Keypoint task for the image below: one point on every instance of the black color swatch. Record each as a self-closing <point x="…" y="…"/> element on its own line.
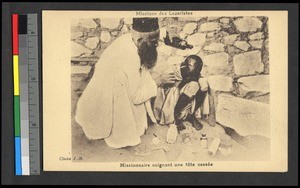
<point x="22" y="24"/>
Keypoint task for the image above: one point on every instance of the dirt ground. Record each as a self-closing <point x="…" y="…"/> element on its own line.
<point x="186" y="148"/>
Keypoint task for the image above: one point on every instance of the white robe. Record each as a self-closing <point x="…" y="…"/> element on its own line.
<point x="115" y="103"/>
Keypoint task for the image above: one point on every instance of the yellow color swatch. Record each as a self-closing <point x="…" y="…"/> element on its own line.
<point x="16" y="74"/>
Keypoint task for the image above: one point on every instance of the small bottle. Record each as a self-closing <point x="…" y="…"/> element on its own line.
<point x="212" y="150"/>
<point x="203" y="141"/>
<point x="172" y="134"/>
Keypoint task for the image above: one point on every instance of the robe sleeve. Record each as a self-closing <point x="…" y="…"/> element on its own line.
<point x="142" y="86"/>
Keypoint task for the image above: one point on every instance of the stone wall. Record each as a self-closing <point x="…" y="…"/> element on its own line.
<point x="234" y="51"/>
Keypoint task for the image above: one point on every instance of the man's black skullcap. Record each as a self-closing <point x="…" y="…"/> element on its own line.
<point x="145" y="24"/>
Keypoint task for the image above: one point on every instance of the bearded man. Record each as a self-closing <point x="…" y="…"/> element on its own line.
<point x="116" y="101"/>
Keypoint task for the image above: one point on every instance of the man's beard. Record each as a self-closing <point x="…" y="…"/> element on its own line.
<point x="148" y="55"/>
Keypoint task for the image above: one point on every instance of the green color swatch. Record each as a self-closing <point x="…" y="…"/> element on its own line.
<point x="17" y="115"/>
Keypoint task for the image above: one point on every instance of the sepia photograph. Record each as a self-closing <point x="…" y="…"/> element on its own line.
<point x="170" y="89"/>
<point x="166" y="89"/>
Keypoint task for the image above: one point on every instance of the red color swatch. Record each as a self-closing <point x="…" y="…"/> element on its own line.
<point x="15" y="35"/>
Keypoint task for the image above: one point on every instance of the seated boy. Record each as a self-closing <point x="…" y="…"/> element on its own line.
<point x="191" y="93"/>
<point x="181" y="100"/>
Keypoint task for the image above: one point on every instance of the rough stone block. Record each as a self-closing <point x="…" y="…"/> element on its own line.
<point x="262" y="98"/>
<point x="213" y="34"/>
<point x="247" y="117"/>
<point x="220" y="83"/>
<point x="253" y="86"/>
<point x="105" y="36"/>
<point x="197" y="39"/>
<point x="210" y="26"/>
<point x="248" y="63"/>
<point x="80" y="69"/>
<point x="110" y="23"/>
<point x="78" y="50"/>
<point x="230" y="39"/>
<point x="243" y="45"/>
<point x="247" y="24"/>
<point x="257" y="36"/>
<point x="225" y="20"/>
<point x="92" y="42"/>
<point x="257" y="44"/>
<point x="215" y="47"/>
<point x="183" y="35"/>
<point x="189" y="28"/>
<point x="232" y="50"/>
<point x="210" y="19"/>
<point x="217" y="62"/>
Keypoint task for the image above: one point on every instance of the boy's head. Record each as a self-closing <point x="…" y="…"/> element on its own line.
<point x="193" y="64"/>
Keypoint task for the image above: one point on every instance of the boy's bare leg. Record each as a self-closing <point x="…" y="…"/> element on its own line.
<point x="179" y="113"/>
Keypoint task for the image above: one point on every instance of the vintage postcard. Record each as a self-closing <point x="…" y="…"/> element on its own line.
<point x="192" y="91"/>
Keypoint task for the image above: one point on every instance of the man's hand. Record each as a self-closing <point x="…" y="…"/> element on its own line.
<point x="165" y="78"/>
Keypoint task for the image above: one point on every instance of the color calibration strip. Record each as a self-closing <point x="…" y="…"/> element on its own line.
<point x="26" y="94"/>
<point x="18" y="162"/>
